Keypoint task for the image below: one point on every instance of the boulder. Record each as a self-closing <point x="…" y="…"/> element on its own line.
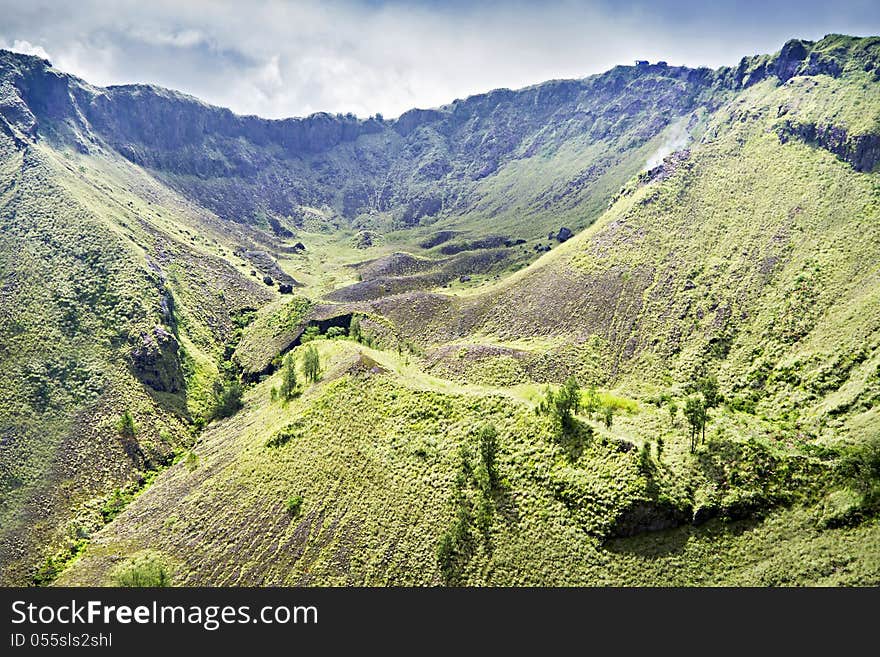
<point x="285" y="289"/>
<point x="155" y="361"/>
<point x="564" y="234"/>
<point x="268" y="280"/>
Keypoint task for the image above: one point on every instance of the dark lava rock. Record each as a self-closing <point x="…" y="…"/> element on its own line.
<point x="464" y="279"/>
<point x="156" y="362"/>
<point x="622" y="445"/>
<point x="268" y="280"/>
<point x="790" y="57"/>
<point x="299" y="246"/>
<point x="285" y="289"/>
<point x="564" y="234"/>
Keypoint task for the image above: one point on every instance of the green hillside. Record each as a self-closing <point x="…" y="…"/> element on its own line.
<point x="718" y="306"/>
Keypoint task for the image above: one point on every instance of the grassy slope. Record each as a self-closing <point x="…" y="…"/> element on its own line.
<point x="754" y="259"/>
<point x="84" y="255"/>
<point x="678" y="274"/>
<point x="374" y="458"/>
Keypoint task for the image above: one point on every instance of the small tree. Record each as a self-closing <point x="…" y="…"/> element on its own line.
<point x="695" y="413"/>
<point x="288" y="377"/>
<point x="592" y="403"/>
<point x="488" y="451"/>
<point x="567" y="402"/>
<point x="608" y="415"/>
<point x="126" y="426"/>
<point x="227" y="398"/>
<point x="645" y="457"/>
<point x="659" y="447"/>
<point x="673" y="412"/>
<point x="708" y="387"/>
<point x="354" y="329"/>
<point x="311" y="364"/>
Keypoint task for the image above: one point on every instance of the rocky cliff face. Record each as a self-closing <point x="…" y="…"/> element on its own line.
<point x="425" y="163"/>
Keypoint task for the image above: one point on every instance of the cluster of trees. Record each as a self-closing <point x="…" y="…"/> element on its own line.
<point x="471" y="510"/>
<point x="697" y="407"/>
<point x="568" y="401"/>
<point x="311" y="369"/>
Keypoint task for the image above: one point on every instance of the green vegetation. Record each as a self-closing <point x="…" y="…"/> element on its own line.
<point x="294" y="505"/>
<point x="488" y="437"/>
<point x="562" y="404"/>
<point x="143" y="570"/>
<point x="227" y="399"/>
<point x="733" y="285"/>
<point x="126" y="426"/>
<point x="354" y="329"/>
<point x="288" y="378"/>
<point x="311" y="364"/>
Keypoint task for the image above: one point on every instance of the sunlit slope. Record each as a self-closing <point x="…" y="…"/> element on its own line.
<point x="751" y="256"/>
<point x="374" y="455"/>
<point x="94" y="274"/>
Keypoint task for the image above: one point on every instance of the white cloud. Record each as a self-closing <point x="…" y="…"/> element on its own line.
<point x="277" y="58"/>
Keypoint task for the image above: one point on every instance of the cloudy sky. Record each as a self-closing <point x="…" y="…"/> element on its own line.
<point x="278" y="58"/>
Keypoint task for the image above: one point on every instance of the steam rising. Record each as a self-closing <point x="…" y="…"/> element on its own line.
<point x="677" y="137"/>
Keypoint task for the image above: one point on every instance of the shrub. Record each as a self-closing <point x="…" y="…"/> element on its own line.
<point x="146" y="569"/>
<point x="114" y="505"/>
<point x="841" y="508"/>
<point x="335" y="332"/>
<point x="311" y="333"/>
<point x="285" y="435"/>
<point x="126" y="426"/>
<point x="227" y="398"/>
<point x="294" y="505"/>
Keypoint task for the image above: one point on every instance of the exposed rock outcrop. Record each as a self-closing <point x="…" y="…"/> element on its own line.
<point x="155" y="361"/>
<point x="860" y="151"/>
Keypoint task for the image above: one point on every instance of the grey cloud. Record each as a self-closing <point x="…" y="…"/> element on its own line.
<point x="276" y="58"/>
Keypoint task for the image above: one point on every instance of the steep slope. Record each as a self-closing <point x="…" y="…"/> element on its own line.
<point x="750" y="256"/>
<point x="101" y="293"/>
